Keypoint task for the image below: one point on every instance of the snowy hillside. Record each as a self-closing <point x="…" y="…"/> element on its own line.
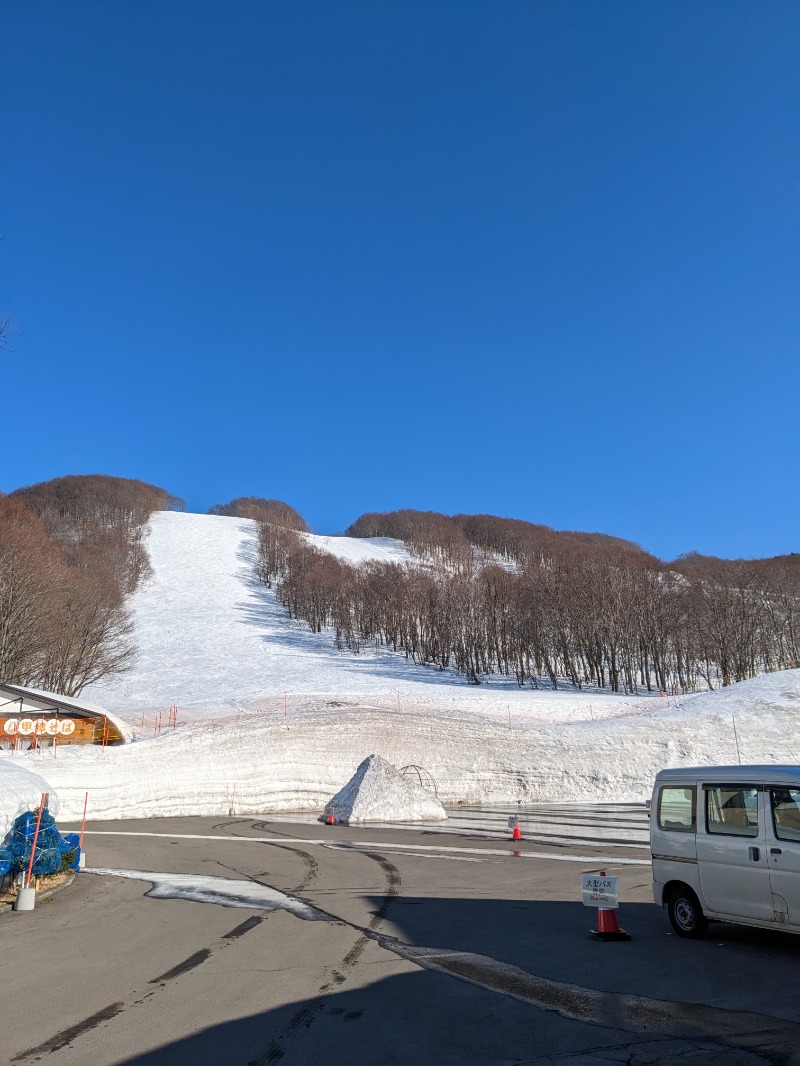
<point x="210" y="636"/>
<point x="217" y="644"/>
<point x="209" y="633"/>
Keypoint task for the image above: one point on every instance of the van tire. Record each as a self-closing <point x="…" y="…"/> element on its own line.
<point x="686" y="915"/>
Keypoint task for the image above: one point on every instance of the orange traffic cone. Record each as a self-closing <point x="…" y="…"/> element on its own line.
<point x="329" y="820"/>
<point x="608" y="927"/>
<point x="517" y="833"/>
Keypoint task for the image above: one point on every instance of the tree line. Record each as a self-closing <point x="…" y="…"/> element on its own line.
<point x="502" y="596"/>
<point x="71" y="551"/>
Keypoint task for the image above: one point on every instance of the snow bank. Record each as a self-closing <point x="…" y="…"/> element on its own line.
<point x="20" y="790"/>
<point x="378" y="792"/>
<point x="260" y="764"/>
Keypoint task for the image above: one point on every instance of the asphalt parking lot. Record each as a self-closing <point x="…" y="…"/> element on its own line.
<point x="264" y="941"/>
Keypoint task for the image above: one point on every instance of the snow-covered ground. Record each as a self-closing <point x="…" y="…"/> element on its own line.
<point x="217" y="645"/>
<point x="21" y="790"/>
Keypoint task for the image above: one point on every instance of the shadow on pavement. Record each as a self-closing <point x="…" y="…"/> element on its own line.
<point x="431" y="1017"/>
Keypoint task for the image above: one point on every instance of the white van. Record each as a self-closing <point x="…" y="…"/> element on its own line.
<point x="725" y="843"/>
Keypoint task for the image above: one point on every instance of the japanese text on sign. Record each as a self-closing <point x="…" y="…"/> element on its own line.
<point x="599" y="891"/>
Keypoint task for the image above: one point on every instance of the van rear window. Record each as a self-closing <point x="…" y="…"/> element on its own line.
<point x="677" y="808"/>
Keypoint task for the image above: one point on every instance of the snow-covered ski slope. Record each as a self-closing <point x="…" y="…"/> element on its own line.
<point x="211" y="637"/>
<point x="210" y="634"/>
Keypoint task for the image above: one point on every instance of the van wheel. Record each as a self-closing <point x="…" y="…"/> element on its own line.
<point x="686" y="914"/>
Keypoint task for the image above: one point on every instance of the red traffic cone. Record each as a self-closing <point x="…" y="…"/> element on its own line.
<point x="608" y="927"/>
<point x="516" y="833"/>
<point x="329" y="820"/>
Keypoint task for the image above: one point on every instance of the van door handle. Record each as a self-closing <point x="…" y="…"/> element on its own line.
<point x="776" y="851"/>
<point x="755" y="854"/>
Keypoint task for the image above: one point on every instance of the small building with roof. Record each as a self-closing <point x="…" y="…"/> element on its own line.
<point x="32" y="718"/>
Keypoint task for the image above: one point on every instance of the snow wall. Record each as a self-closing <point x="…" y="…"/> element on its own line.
<point x="260" y="765"/>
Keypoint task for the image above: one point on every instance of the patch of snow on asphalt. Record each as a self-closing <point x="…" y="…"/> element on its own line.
<point x="225" y="891"/>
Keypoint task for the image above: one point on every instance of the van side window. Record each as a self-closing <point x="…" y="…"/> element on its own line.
<point x="732" y="810"/>
<point x="677" y="808"/>
<point x="785" y="803"/>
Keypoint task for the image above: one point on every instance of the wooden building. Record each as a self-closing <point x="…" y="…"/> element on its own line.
<point x="31" y="718"/>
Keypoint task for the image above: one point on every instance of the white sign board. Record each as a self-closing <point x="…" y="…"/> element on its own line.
<point x="599" y="891"/>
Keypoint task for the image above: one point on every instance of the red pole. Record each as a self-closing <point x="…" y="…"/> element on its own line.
<point x="83" y="822"/>
<point x="35" y="838"/>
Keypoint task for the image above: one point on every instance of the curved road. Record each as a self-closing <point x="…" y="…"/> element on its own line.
<point x="248" y="941"/>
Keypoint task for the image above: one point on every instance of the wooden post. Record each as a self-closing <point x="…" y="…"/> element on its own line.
<point x="35" y="838"/>
<point x="83" y="822"/>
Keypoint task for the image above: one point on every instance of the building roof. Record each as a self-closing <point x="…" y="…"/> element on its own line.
<point x="64" y="704"/>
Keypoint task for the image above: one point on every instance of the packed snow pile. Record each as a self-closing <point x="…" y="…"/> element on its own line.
<point x="20" y="791"/>
<point x="261" y="762"/>
<point x="378" y="792"/>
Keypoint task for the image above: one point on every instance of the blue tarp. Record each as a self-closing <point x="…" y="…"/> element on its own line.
<point x="50" y="845"/>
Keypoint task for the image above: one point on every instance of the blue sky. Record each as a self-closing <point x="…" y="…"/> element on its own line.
<point x="533" y="259"/>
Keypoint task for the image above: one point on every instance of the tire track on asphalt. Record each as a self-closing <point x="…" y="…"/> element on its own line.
<point x="66" y="1037"/>
<point x="311" y="864"/>
<point x="305" y="1016"/>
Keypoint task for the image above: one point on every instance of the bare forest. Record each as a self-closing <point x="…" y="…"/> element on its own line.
<point x="502" y="596"/>
<point x="261" y="510"/>
<point x="71" y="551"/>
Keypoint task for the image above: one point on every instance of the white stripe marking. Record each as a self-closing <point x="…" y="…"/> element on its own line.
<point x="372" y="845"/>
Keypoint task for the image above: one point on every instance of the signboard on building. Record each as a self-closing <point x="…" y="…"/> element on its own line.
<point x="30" y="730"/>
